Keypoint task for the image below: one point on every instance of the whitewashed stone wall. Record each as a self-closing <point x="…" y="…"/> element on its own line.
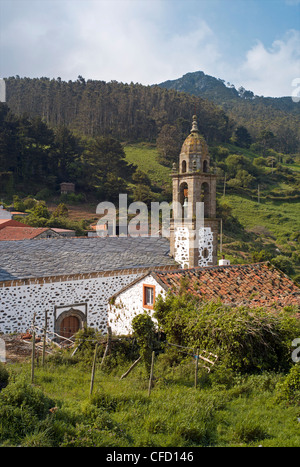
<point x="18" y="303"/>
<point x="128" y="304"/>
<point x="205" y="246"/>
<point x="182" y="246"/>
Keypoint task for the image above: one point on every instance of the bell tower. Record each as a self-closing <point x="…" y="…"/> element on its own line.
<point x="193" y="183"/>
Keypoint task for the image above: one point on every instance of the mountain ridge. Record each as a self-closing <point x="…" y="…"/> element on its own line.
<point x="257" y="113"/>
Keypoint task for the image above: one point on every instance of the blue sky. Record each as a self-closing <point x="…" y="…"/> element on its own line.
<point x="249" y="43"/>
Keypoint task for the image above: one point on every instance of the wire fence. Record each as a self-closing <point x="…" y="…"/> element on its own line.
<point x="203" y="357"/>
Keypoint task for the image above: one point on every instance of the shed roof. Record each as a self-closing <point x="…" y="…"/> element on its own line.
<point x="10" y="223"/>
<point x="21" y="233"/>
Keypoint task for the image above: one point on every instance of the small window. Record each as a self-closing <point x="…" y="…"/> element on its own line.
<point x="148" y="296"/>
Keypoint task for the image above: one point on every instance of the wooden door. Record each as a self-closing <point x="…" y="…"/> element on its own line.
<point x="69" y="326"/>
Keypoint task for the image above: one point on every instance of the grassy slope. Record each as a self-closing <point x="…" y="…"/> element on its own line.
<point x="145" y="157"/>
<point x="279" y="218"/>
<point x="227" y="412"/>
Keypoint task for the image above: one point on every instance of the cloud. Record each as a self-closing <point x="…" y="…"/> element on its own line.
<point x="135" y="40"/>
<point x="270" y="72"/>
<point x="137" y="43"/>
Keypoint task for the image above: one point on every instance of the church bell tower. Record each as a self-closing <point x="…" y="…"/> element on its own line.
<point x="193" y="183"/>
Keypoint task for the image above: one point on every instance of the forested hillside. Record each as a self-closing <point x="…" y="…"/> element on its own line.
<point x="281" y="116"/>
<point x="124" y="111"/>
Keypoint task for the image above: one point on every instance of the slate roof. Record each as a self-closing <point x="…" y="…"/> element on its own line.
<point x="59" y="256"/>
<point x="253" y="285"/>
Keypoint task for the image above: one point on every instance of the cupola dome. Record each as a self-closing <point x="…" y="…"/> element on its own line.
<point x="194" y="151"/>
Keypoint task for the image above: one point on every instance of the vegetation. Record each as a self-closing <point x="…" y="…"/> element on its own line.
<point x="127" y="112"/>
<point x="267" y="121"/>
<point x="245" y="339"/>
<point x="226" y="410"/>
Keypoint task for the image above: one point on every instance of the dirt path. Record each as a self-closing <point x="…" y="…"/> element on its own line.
<point x="16" y="349"/>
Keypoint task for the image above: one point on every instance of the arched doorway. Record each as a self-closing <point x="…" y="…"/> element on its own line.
<point x="69" y="326"/>
<point x="69" y="322"/>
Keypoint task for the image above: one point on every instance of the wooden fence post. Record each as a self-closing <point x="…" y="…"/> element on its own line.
<point x="44" y="339"/>
<point x="93" y="369"/>
<point x="33" y="349"/>
<point x="131" y="368"/>
<point x="151" y="373"/>
<point x="108" y="345"/>
<point x="196" y="368"/>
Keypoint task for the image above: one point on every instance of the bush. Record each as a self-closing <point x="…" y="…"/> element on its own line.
<point x="249" y="430"/>
<point x="288" y="390"/>
<point x="245" y="339"/>
<point x="22" y="407"/>
<point x="4" y="375"/>
<point x="284" y="264"/>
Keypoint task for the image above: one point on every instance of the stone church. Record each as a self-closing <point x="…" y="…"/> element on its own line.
<point x="72" y="280"/>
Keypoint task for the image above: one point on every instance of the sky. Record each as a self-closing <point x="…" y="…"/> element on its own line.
<point x="249" y="43"/>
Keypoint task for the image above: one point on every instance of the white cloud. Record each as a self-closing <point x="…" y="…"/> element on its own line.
<point x="135" y="44"/>
<point x="135" y="40"/>
<point x="270" y="72"/>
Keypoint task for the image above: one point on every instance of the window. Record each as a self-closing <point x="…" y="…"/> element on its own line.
<point x="148" y="296"/>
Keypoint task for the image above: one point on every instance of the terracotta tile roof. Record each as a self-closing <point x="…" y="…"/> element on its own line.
<point x="253" y="285"/>
<point x="21" y="233"/>
<point x="10" y="223"/>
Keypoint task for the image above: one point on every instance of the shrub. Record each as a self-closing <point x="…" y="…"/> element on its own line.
<point x="4" y="375"/>
<point x="284" y="264"/>
<point x="144" y="330"/>
<point x="288" y="390"/>
<point x="245" y="339"/>
<point x="22" y="395"/>
<point x="249" y="430"/>
<point x="21" y="408"/>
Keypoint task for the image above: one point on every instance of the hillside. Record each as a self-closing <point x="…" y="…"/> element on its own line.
<point x="252" y="230"/>
<point x="128" y="112"/>
<point x="71" y="131"/>
<point x="256" y="113"/>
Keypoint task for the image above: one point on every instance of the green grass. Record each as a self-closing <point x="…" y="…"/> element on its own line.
<point x="225" y="409"/>
<point x="280" y="218"/>
<point x="294" y="167"/>
<point x="145" y="157"/>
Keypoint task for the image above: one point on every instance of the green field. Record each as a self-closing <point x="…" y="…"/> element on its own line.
<point x="279" y="218"/>
<point x="225" y="410"/>
<point x="145" y="157"/>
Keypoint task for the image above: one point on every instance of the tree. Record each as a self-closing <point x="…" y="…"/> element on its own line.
<point x="60" y="211"/>
<point x="144" y="331"/>
<point x="242" y="137"/>
<point x="66" y="154"/>
<point x="168" y="144"/>
<point x="141" y="178"/>
<point x="266" y="139"/>
<point x="107" y="167"/>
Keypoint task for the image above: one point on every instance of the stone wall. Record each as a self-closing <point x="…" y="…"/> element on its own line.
<point x="128" y="304"/>
<point x="20" y="299"/>
<point x="18" y="303"/>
